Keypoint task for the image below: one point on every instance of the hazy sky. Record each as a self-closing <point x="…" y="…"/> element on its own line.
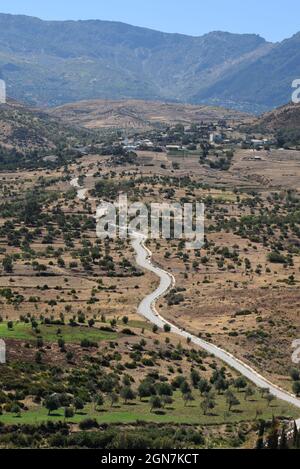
<point x="272" y="19"/>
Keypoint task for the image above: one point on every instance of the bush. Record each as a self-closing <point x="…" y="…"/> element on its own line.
<point x="88" y="424"/>
<point x="128" y="332"/>
<point x="69" y="412"/>
<point x="86" y="343"/>
<point x="296" y="388"/>
<point x="276" y="258"/>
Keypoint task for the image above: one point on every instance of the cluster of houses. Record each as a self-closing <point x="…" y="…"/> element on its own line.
<point x="260" y="143"/>
<point x="133" y="145"/>
<point x="192" y="137"/>
<point x="180" y="137"/>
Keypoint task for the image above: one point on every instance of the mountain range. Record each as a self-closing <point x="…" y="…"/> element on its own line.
<point x="51" y="63"/>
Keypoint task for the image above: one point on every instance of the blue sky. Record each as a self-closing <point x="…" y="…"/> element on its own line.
<point x="272" y="19"/>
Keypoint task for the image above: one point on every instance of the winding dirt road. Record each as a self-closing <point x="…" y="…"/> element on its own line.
<point x="147" y="309"/>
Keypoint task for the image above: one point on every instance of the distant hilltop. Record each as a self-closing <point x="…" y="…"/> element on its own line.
<point x="97" y="114"/>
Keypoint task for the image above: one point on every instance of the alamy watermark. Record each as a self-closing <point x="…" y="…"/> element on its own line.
<point x="154" y="221"/>
<point x="2" y="352"/>
<point x="296" y="93"/>
<point x="296" y="343"/>
<point x="2" y="92"/>
<point x="296" y="354"/>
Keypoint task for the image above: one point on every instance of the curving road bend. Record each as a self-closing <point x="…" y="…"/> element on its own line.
<point x="147" y="309"/>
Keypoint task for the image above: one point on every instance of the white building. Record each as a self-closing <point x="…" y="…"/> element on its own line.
<point x="173" y="147"/>
<point x="215" y="138"/>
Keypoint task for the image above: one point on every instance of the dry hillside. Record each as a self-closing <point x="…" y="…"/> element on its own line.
<point x="25" y="129"/>
<point x="138" y="114"/>
<point x="285" y="117"/>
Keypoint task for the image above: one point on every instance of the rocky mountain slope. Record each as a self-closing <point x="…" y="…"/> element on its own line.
<point x="50" y="63"/>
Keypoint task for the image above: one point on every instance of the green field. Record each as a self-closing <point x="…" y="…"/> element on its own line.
<point x="49" y="333"/>
<point x="136" y="325"/>
<point x="175" y="413"/>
